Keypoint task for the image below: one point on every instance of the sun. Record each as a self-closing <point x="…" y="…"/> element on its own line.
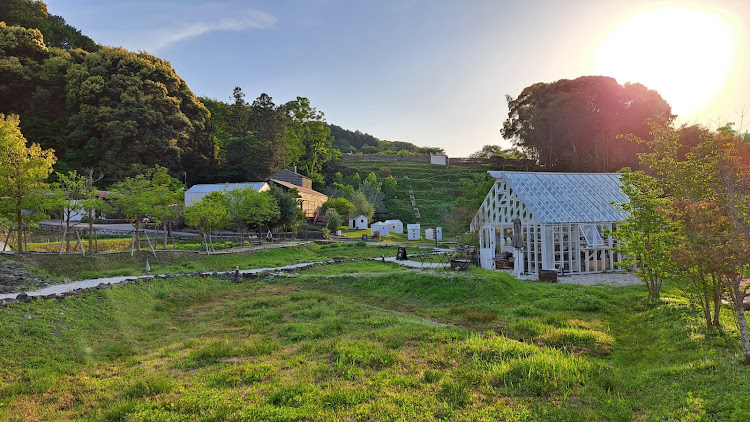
<point x="686" y="54"/>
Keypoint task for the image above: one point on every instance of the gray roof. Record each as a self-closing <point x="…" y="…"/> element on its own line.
<point x="568" y="197"/>
<point x="213" y="187"/>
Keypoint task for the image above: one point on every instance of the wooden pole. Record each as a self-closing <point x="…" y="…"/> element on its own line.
<point x="80" y="242"/>
<point x="145" y="232"/>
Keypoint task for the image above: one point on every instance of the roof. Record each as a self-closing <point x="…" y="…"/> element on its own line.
<point x="213" y="187"/>
<point x="567" y="197"/>
<point x="357" y="216"/>
<point x="393" y="221"/>
<point x="300" y="189"/>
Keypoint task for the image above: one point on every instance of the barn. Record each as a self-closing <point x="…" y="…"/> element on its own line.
<point x="564" y="221"/>
<point x="196" y="192"/>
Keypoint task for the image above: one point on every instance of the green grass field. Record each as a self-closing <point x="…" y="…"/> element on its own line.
<point x="435" y="187"/>
<point x="367" y="342"/>
<point x="119" y="264"/>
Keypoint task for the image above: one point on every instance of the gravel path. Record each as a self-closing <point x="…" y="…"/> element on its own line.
<point x="601" y="279"/>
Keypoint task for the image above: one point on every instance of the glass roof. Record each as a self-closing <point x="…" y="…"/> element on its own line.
<point x="568" y="197"/>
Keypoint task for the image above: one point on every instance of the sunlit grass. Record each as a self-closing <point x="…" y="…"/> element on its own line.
<point x="398" y="345"/>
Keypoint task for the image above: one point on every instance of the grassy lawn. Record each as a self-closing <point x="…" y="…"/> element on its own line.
<point x="118" y="264"/>
<point x="367" y="342"/>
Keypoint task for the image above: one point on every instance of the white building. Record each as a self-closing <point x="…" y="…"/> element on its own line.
<point x="431" y="234"/>
<point x="358" y="223"/>
<point x="564" y="221"/>
<point x="395" y="226"/>
<point x="380" y="228"/>
<point x="414" y="231"/>
<point x="196" y="192"/>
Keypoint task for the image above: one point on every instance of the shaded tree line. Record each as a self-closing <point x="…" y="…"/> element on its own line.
<point x="354" y="142"/>
<point x="256" y="140"/>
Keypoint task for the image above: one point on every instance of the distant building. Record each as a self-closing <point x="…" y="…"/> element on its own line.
<point x="291" y="176"/>
<point x="395" y="226"/>
<point x="310" y="200"/>
<point x="196" y="192"/>
<point x="414" y="231"/>
<point x="358" y="222"/>
<point x="380" y="228"/>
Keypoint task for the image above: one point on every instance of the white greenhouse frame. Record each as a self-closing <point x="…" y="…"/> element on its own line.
<point x="565" y="218"/>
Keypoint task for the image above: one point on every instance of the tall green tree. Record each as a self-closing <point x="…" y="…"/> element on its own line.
<point x="309" y="130"/>
<point x="68" y="190"/>
<point x="207" y="215"/>
<point x="710" y="205"/>
<point x="573" y="125"/>
<point x="647" y="236"/>
<point x="362" y="206"/>
<point x="290" y="212"/>
<point x="248" y="208"/>
<point x="165" y="196"/>
<point x="23" y="170"/>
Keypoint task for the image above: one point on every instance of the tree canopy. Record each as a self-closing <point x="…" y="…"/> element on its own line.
<point x="574" y="125"/>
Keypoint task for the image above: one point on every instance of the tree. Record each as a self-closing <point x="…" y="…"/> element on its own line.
<point x="334" y="220"/>
<point x="290" y="213"/>
<point x="572" y="125"/>
<point x="389" y="187"/>
<point x="308" y="127"/>
<point x="133" y="199"/>
<point x="68" y="191"/>
<point x="207" y="215"/>
<point x="647" y="236"/>
<point x="23" y="170"/>
<point x="710" y="207"/>
<point x="165" y="195"/>
<point x="371" y="190"/>
<point x="362" y="206"/>
<point x="489" y="151"/>
<point x="342" y="206"/>
<point x="91" y="202"/>
<point x="247" y="207"/>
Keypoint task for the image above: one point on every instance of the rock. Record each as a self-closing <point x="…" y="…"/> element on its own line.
<point x="23" y="297"/>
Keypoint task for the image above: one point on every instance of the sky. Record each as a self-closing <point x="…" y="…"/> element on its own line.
<point x="435" y="72"/>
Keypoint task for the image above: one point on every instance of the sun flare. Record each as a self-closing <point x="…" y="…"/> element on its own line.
<point x="686" y="54"/>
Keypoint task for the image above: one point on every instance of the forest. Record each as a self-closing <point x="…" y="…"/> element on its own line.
<point x="122" y="112"/>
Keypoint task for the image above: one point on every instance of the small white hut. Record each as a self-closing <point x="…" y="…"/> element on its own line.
<point x="380" y="228"/>
<point x="395" y="226"/>
<point x="432" y="234"/>
<point x="414" y="231"/>
<point x="358" y="223"/>
<point x="564" y="218"/>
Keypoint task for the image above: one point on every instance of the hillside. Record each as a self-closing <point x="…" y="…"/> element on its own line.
<point x="435" y="188"/>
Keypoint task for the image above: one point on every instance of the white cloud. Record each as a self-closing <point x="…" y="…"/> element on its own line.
<point x="157" y="39"/>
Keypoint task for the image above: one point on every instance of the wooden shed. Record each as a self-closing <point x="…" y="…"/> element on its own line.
<point x="564" y="220"/>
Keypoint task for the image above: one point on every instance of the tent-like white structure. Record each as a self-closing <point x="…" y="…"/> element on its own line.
<point x="196" y="192"/>
<point x="564" y="219"/>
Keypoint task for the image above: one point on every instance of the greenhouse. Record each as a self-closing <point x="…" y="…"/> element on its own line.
<point x="563" y="221"/>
